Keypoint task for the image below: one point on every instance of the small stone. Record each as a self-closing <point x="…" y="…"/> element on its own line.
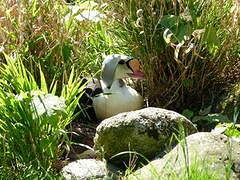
<point x="90" y="169"/>
<point x="84" y="169"/>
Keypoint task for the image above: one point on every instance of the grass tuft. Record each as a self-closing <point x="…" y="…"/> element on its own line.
<point x="30" y="141"/>
<point x="185" y="47"/>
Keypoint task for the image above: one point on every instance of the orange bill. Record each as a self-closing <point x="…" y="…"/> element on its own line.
<point x="135" y="66"/>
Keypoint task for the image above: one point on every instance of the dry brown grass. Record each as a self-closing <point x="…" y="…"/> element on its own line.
<point x="38" y="32"/>
<point x="191" y="75"/>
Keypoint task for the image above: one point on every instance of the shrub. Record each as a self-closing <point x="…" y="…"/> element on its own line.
<point x="32" y="131"/>
<point x="185" y="47"/>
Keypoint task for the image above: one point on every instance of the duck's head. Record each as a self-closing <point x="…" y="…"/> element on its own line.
<point x="118" y="67"/>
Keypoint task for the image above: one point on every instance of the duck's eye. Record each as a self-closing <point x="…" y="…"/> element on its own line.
<point x="121" y="62"/>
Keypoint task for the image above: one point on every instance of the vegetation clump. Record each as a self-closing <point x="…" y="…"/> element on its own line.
<point x="185" y="47"/>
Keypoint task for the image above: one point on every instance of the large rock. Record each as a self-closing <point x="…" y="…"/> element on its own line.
<point x="146" y="131"/>
<point x="206" y="154"/>
<point x="89" y="169"/>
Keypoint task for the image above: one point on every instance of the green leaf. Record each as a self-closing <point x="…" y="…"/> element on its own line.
<point x="231" y="129"/>
<point x="187" y="83"/>
<point x="211" y="39"/>
<point x="66" y="51"/>
<point x="43" y="81"/>
<point x="53" y="87"/>
<point x="177" y="26"/>
<point x="35" y="10"/>
<point x="188" y="113"/>
<point x="211" y="118"/>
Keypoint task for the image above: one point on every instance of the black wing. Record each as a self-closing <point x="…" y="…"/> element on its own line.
<point x="87" y="113"/>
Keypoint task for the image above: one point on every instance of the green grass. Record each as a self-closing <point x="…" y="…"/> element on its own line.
<point x="195" y="171"/>
<point x="30" y="142"/>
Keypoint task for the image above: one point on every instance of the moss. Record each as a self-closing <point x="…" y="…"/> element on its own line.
<point x="153" y="132"/>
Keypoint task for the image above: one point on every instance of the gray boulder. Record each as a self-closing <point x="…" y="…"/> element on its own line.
<point x="146" y="131"/>
<point x="85" y="169"/>
<point x="205" y="154"/>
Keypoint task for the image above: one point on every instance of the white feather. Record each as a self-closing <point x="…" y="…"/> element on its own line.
<point x="116" y="100"/>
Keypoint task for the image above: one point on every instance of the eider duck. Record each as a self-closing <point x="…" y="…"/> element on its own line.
<point x="111" y="95"/>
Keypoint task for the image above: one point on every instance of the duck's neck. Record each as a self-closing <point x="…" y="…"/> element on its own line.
<point x="116" y="85"/>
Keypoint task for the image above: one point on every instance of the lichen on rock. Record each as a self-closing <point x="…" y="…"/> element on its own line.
<point x="147" y="131"/>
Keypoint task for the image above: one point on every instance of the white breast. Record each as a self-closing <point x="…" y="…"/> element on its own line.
<point x="117" y="100"/>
